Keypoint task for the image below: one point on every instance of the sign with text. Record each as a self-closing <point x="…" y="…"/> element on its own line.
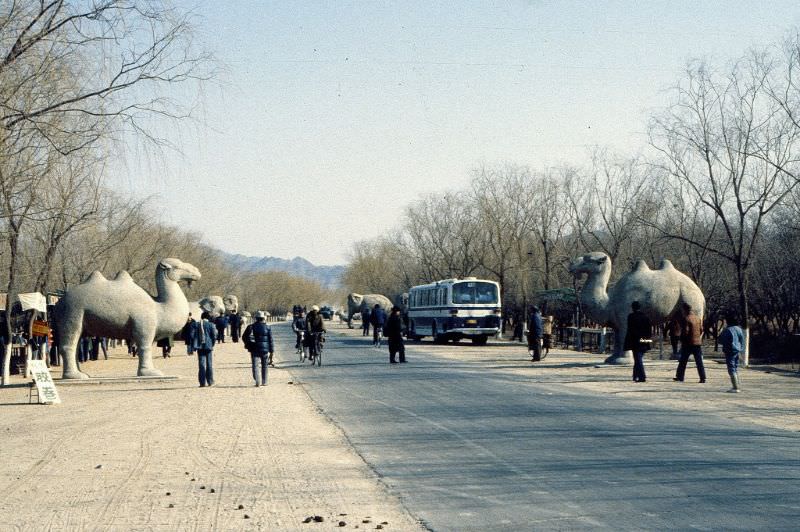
<point x="40" y="328"/>
<point x="44" y="383"/>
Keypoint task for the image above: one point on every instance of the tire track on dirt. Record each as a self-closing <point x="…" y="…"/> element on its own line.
<point x="145" y="454"/>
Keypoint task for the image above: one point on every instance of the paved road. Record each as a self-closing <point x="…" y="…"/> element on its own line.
<point x="471" y="448"/>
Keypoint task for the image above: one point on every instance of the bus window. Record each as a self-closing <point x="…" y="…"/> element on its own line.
<point x="475" y="292"/>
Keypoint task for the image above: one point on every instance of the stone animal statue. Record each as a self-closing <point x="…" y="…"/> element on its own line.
<point x="231" y="303"/>
<point x="660" y="292"/>
<point x="120" y="308"/>
<point x="211" y="304"/>
<point x="357" y="302"/>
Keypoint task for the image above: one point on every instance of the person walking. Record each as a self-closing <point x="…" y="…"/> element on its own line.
<point x="235" y="322"/>
<point x="732" y="340"/>
<point x="257" y="339"/>
<point x="100" y="343"/>
<point x="518" y="326"/>
<point x="203" y="342"/>
<point x="547" y="334"/>
<point x="166" y="346"/>
<point x="187" y="334"/>
<point x="691" y="344"/>
<point x="673" y="330"/>
<point x="535" y="331"/>
<point x="221" y="323"/>
<point x="638" y="338"/>
<point x="378" y="320"/>
<point x="394" y="336"/>
<point x="365" y="321"/>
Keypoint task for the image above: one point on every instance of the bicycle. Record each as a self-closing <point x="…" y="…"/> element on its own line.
<point x="315" y="354"/>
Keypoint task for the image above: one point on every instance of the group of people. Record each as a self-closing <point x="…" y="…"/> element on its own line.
<point x="201" y="336"/>
<point x="308" y="330"/>
<point x="389" y="327"/>
<point x="687" y="329"/>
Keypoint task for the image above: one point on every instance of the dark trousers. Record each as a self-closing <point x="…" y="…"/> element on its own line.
<point x="205" y="365"/>
<point x="221" y="335"/>
<point x="535" y="345"/>
<point x="638" y="366"/>
<point x="396" y="346"/>
<point x="697" y="352"/>
<point x="365" y="329"/>
<point x="674" y="341"/>
<point x="235" y="334"/>
<point x="263" y="359"/>
<point x="376" y="334"/>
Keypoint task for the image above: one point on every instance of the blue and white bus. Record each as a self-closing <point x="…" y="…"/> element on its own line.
<point x="453" y="309"/>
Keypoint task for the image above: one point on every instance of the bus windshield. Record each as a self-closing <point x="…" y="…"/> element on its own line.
<point x="472" y="292"/>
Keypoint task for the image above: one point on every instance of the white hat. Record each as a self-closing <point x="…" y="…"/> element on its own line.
<point x="260" y="315"/>
<point x="315" y="307"/>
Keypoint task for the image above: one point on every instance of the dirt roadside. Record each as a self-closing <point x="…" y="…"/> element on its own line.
<point x="168" y="455"/>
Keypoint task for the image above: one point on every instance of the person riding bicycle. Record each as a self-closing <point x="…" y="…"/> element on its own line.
<point x="299" y="327"/>
<point x="315" y="327"/>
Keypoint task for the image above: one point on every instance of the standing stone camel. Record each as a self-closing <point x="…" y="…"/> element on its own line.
<point x="661" y="293"/>
<point x="122" y="309"/>
<point x="358" y="302"/>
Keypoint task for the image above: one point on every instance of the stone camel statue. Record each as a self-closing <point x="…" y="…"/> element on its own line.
<point x="122" y="309"/>
<point x="357" y="303"/>
<point x="661" y="293"/>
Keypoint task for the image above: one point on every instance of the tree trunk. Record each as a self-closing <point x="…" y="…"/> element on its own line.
<point x="741" y="284"/>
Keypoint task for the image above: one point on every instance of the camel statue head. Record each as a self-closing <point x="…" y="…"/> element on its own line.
<point x="355" y="299"/>
<point x="592" y="263"/>
<point x="177" y="270"/>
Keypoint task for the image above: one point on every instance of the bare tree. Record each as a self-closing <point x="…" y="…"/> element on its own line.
<point x="725" y="142"/>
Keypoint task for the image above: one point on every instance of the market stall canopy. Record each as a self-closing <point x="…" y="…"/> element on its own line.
<point x="33" y="301"/>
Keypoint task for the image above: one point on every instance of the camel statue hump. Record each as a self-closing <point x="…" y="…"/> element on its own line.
<point x="666" y="264"/>
<point x="123" y="276"/>
<point x="640" y="266"/>
<point x="95" y="277"/>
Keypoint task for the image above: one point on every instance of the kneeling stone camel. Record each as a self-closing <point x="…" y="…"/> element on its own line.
<point x="122" y="309"/>
<point x="660" y="292"/>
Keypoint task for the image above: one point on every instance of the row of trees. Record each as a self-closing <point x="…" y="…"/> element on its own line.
<point x="717" y="191"/>
<point x="82" y="81"/>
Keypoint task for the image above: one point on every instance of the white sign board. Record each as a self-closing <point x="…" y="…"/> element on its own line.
<point x="44" y="383"/>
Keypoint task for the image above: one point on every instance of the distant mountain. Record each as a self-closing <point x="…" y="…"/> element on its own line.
<point x="327" y="276"/>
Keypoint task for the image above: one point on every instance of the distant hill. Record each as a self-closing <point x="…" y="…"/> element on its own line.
<point x="327" y="276"/>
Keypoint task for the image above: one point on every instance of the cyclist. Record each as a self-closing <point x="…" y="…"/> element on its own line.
<point x="315" y="327"/>
<point x="299" y="327"/>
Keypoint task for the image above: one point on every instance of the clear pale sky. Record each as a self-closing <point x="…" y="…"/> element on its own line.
<point x="332" y="116"/>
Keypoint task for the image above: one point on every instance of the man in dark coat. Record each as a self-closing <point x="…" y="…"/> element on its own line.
<point x="691" y="344"/>
<point x="638" y="339"/>
<point x="203" y="341"/>
<point x="257" y="339"/>
<point x="378" y="320"/>
<point x="365" y="319"/>
<point x="221" y="322"/>
<point x="235" y="321"/>
<point x="535" y="331"/>
<point x="394" y="335"/>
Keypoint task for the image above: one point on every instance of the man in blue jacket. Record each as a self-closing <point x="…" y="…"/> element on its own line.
<point x="378" y="319"/>
<point x="535" y="330"/>
<point x="203" y="341"/>
<point x="258" y="340"/>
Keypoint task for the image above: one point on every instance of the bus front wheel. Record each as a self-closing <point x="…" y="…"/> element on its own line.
<point x="480" y="340"/>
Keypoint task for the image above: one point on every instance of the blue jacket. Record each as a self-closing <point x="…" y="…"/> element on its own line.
<point x="535" y="327"/>
<point x="258" y="338"/>
<point x="210" y="335"/>
<point x="732" y="340"/>
<point x="378" y="318"/>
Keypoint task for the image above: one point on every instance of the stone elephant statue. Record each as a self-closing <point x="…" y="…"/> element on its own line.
<point x="211" y="304"/>
<point x="357" y="303"/>
<point x="231" y="303"/>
